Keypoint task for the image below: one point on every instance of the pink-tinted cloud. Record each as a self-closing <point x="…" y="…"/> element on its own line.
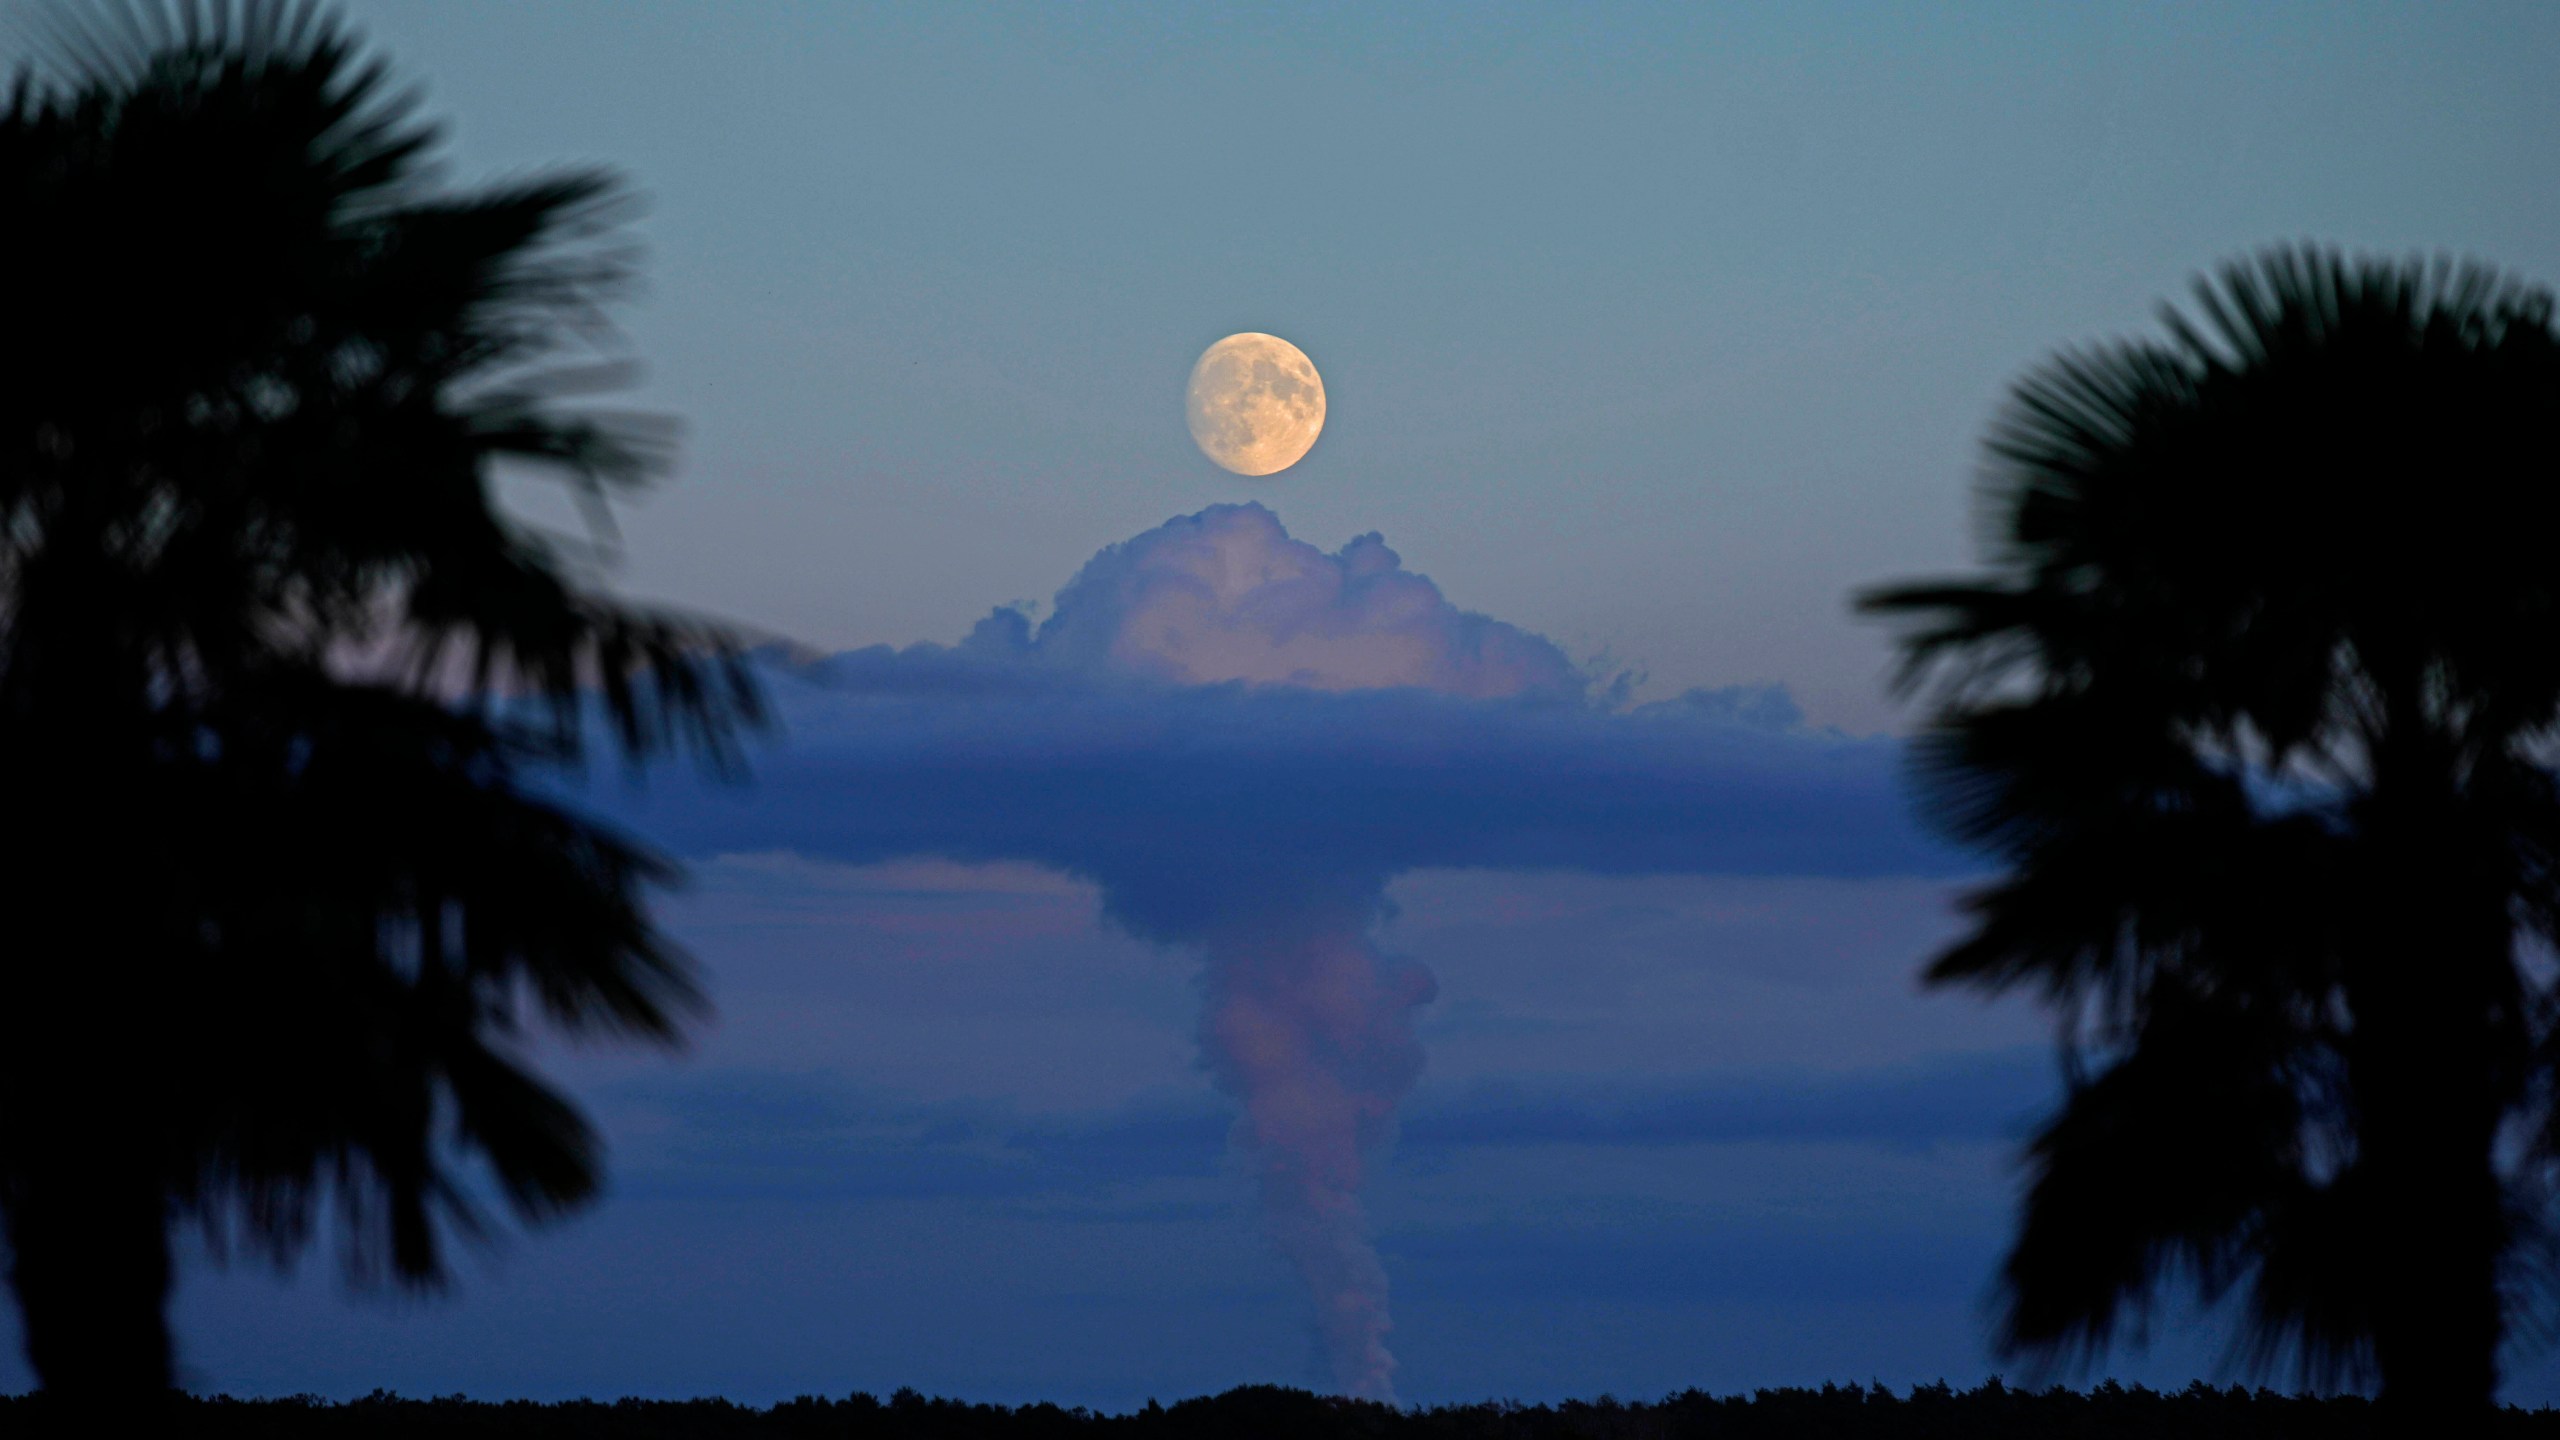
<point x="1228" y="595"/>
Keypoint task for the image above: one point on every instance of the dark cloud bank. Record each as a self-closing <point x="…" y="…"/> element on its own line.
<point x="1343" y="725"/>
<point x="1241" y="739"/>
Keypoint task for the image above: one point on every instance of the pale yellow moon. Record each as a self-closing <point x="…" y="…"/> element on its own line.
<point x="1256" y="403"/>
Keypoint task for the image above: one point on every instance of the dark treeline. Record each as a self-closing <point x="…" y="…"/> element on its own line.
<point x="1254" y="1412"/>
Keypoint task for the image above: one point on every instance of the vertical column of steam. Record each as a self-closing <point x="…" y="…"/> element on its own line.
<point x="1311" y="1028"/>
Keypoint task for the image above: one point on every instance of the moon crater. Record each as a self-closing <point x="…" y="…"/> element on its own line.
<point x="1256" y="403"/>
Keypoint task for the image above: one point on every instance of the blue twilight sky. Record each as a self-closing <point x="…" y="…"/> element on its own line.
<point x="1649" y="332"/>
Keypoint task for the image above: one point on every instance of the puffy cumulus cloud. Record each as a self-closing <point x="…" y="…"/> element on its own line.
<point x="1227" y="595"/>
<point x="1241" y="739"/>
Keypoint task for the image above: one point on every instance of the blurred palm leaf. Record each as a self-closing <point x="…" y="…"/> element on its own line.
<point x="273" y="662"/>
<point x="2254" y="701"/>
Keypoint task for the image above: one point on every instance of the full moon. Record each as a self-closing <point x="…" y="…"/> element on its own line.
<point x="1256" y="403"/>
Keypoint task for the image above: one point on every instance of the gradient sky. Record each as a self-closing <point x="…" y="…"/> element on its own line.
<point x="1651" y="331"/>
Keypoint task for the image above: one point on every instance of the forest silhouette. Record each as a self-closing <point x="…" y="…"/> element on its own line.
<point x="2253" y="702"/>
<point x="1992" y="1411"/>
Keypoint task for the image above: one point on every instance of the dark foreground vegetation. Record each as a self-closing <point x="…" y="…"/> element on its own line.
<point x="1269" y="1412"/>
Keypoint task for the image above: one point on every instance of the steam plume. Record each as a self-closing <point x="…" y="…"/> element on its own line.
<point x="1308" y="1024"/>
<point x="1310" y="1027"/>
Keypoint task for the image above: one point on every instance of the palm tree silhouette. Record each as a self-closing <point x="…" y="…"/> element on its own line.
<point x="281" y="897"/>
<point x="2255" y="702"/>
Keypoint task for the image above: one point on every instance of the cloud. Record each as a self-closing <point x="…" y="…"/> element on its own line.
<point x="1118" y="781"/>
<point x="1765" y="1261"/>
<point x="1227" y="595"/>
<point x="1978" y="1097"/>
<point x="744" y="1132"/>
<point x="1241" y="739"/>
<point x="1213" y="703"/>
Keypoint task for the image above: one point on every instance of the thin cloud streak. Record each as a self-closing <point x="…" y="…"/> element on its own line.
<point x="748" y="1133"/>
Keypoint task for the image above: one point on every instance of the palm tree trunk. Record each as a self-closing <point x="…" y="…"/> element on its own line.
<point x="84" y="1095"/>
<point x="2437" y="1317"/>
<point x="86" y="1136"/>
<point x="89" y="1260"/>
<point x="2438" y="1233"/>
<point x="2429" y="989"/>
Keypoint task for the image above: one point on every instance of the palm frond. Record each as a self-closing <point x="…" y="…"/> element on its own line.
<point x="2239" y="582"/>
<point x="256" y="581"/>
